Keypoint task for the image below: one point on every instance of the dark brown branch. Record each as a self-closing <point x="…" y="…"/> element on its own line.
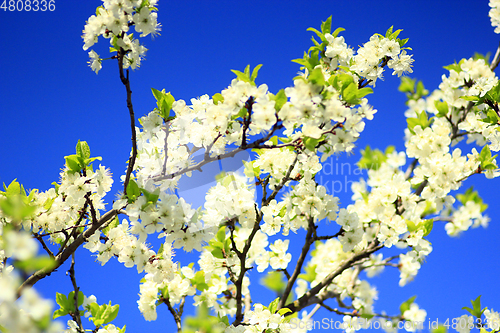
<point x="40" y="239"/>
<point x="303" y="301"/>
<point x="68" y="251"/>
<point x="126" y="83"/>
<point x="77" y="223"/>
<point x="76" y="315"/>
<point x="298" y="267"/>
<point x="410" y="169"/>
<point x="174" y="313"/>
<point x="243" y="270"/>
<point x="340" y="232"/>
<point x="282" y="182"/>
<point x="258" y="144"/>
<point x="421" y="187"/>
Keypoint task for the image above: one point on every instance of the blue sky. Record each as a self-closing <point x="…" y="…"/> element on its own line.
<point x="49" y="99"/>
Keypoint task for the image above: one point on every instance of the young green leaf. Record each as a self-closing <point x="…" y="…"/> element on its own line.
<point x="406" y="305"/>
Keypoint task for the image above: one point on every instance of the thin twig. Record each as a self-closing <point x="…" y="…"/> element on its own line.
<point x="174" y="313"/>
<point x="298" y="267"/>
<point x="60" y="258"/>
<point x="76" y="315"/>
<point x="40" y="239"/>
<point x="303" y="301"/>
<point x="496" y="59"/>
<point x="126" y="83"/>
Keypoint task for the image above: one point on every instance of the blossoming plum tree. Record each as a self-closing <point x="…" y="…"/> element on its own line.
<point x="290" y="133"/>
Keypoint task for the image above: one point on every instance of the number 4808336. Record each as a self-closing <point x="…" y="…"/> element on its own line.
<point x="28" y="5"/>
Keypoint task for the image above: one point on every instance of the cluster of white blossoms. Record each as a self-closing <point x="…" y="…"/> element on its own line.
<point x="26" y="313"/>
<point x="323" y="113"/>
<point x="68" y="204"/>
<point x="113" y="21"/>
<point x="368" y="62"/>
<point x="319" y="117"/>
<point x="368" y="58"/>
<point x="495" y="14"/>
<point x="468" y="78"/>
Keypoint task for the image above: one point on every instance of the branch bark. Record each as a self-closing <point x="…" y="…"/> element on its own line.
<point x="64" y="255"/>
<point x="304" y="301"/>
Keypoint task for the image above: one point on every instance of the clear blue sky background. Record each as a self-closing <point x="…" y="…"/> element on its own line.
<point x="49" y="99"/>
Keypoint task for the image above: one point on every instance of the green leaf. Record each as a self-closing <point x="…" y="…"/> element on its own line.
<point x="304" y="62"/>
<point x="221" y="234"/>
<point x="133" y="191"/>
<point x="16" y="207"/>
<point x="317" y="77"/>
<point x="363" y="92"/>
<point x="310" y="273"/>
<point x="274" y="281"/>
<point x="350" y="94"/>
<point x="82" y="149"/>
<point x="470" y="98"/>
<point x="245" y="76"/>
<point x="310" y="143"/>
<point x="373" y="159"/>
<point x="407" y="85"/>
<point x="471" y="195"/>
<point x="487" y="161"/>
<point x="112" y="225"/>
<point x="59" y="313"/>
<point x="103" y="314"/>
<point x="157" y="94"/>
<point x="442" y="108"/>
<point x="411" y="226"/>
<point x="14" y="188"/>
<point x="273" y="306"/>
<point x="326" y="26"/>
<point x="73" y="163"/>
<point x="198" y="281"/>
<point x="280" y="99"/>
<point x="110" y="313"/>
<point x="406" y="305"/>
<point x="427" y="227"/>
<point x="395" y="34"/>
<point x="476" y="310"/>
<point x="255" y="72"/>
<point x="283" y="311"/>
<point x="320" y="35"/>
<point x="218" y="98"/>
<point x="92" y="159"/>
<point x="62" y="300"/>
<point x="151" y="197"/>
<point x="71" y="298"/>
<point x="36" y="263"/>
<point x="337" y="31"/>
<point x="388" y="33"/>
<point x="164" y="102"/>
<point x="440" y="329"/>
<point x="454" y="67"/>
<point x="217" y="253"/>
<point x="422" y="120"/>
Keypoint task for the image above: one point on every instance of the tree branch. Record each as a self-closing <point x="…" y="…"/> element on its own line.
<point x="76" y="316"/>
<point x="126" y="83"/>
<point x="303" y="301"/>
<point x="298" y="268"/>
<point x="68" y="251"/>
